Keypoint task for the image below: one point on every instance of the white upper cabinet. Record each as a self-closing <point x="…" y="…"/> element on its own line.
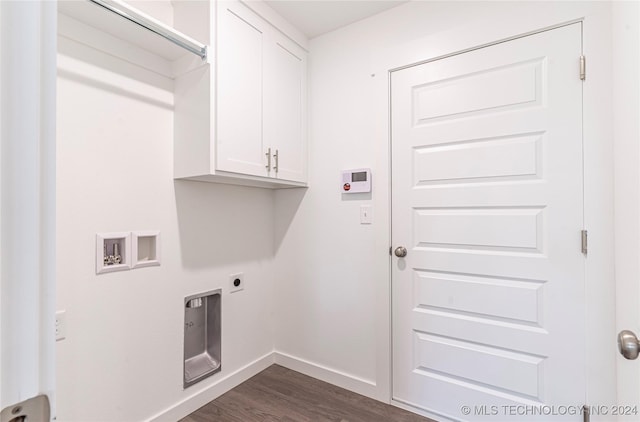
<point x="256" y="102"/>
<point x="239" y="73"/>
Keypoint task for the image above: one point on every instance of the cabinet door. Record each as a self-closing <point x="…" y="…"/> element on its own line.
<point x="239" y="66"/>
<point x="285" y="116"/>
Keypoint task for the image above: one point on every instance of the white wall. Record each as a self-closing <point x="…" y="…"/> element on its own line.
<point x="332" y="274"/>
<point x="122" y="358"/>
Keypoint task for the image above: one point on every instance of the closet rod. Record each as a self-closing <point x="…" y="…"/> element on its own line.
<point x="178" y="39"/>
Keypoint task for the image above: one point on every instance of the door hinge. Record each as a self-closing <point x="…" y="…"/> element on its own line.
<point x="33" y="409"/>
<point x="583" y="68"/>
<point x="586" y="413"/>
<point x="585" y="245"/>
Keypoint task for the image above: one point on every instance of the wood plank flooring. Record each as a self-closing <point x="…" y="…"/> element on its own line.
<point x="280" y="394"/>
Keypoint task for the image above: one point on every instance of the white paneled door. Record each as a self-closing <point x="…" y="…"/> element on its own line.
<point x="488" y="303"/>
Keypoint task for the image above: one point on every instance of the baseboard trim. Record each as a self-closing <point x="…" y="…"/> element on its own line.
<point x="195" y="401"/>
<point x="332" y="376"/>
<point x="423" y="412"/>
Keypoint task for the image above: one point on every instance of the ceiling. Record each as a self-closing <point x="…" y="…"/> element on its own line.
<point x="317" y="17"/>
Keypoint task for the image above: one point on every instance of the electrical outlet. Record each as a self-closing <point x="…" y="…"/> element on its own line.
<point x="236" y="282"/>
<point x="61" y="325"/>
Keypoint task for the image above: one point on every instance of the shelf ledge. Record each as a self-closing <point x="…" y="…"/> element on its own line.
<point x="123" y="21"/>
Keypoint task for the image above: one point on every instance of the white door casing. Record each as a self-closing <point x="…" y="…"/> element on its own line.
<point x="28" y="42"/>
<point x="626" y="97"/>
<point x="488" y="305"/>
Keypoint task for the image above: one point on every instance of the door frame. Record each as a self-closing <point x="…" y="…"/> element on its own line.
<point x="394" y="245"/>
<point x="626" y="99"/>
<point x="505" y="25"/>
<point x="28" y="78"/>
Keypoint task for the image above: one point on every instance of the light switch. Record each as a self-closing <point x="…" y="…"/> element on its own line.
<point x="366" y="214"/>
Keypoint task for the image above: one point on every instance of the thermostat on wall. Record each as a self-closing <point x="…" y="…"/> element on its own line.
<point x="356" y="181"/>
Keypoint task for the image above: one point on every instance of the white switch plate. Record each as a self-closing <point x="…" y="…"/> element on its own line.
<point x="232" y="282"/>
<point x="61" y="325"/>
<point x="366" y="214"/>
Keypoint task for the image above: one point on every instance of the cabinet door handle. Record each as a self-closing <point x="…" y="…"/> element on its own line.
<point x="268" y="154"/>
<point x="275" y="168"/>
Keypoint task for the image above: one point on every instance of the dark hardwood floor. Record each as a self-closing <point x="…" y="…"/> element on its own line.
<point x="280" y="394"/>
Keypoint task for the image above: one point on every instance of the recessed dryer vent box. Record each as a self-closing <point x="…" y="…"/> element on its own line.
<point x="145" y="249"/>
<point x="113" y="252"/>
<point x="202" y="336"/>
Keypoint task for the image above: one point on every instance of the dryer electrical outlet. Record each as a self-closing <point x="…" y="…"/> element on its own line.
<point x="236" y="282"/>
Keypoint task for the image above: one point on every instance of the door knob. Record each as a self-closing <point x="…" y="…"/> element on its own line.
<point x="628" y="344"/>
<point x="401" y="252"/>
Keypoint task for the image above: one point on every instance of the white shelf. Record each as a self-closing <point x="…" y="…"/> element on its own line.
<point x="117" y="26"/>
